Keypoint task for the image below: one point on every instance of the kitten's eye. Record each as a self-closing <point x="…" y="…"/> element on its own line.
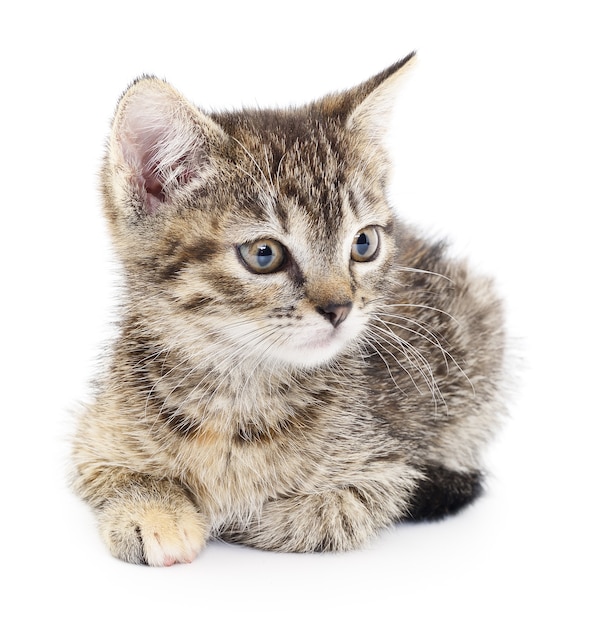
<point x="365" y="244"/>
<point x="263" y="256"/>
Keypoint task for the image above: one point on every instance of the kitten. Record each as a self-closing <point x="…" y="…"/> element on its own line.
<point x="296" y="368"/>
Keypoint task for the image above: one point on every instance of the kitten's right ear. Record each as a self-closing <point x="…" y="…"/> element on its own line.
<point x="160" y="148"/>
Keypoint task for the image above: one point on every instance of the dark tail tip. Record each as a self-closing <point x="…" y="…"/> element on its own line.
<point x="444" y="492"/>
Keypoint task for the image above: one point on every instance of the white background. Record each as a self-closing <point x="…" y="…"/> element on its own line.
<point x="496" y="142"/>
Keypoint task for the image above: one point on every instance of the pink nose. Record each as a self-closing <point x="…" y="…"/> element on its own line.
<point x="335" y="313"/>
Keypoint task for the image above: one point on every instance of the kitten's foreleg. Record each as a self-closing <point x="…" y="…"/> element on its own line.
<point x="333" y="520"/>
<point x="146" y="520"/>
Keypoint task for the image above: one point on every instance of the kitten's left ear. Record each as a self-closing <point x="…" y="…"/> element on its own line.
<point x="367" y="107"/>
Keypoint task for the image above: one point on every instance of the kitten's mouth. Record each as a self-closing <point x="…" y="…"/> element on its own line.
<point x="322" y="338"/>
<point x="317" y="343"/>
<point x="317" y="347"/>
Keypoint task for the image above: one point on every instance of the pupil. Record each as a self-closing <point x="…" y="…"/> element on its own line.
<point x="362" y="243"/>
<point x="264" y="255"/>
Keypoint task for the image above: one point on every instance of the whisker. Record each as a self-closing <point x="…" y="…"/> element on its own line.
<point x="417" y="270"/>
<point x="374" y="337"/>
<point x="250" y="341"/>
<point x="202" y="366"/>
<point x="415" y="357"/>
<point x="254" y="161"/>
<point x="244" y="171"/>
<point x="269" y="169"/>
<point x="278" y="171"/>
<point x="421" y="306"/>
<point x="426" y="334"/>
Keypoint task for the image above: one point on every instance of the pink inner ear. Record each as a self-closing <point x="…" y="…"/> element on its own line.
<point x="151" y="184"/>
<point x="151" y="192"/>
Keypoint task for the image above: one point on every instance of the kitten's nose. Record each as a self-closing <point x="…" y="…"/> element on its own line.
<point x="335" y="313"/>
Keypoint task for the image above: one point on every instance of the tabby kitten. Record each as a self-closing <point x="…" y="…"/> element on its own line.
<point x="296" y="368"/>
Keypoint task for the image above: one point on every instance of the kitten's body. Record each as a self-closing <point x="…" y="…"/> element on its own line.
<point x="299" y="408"/>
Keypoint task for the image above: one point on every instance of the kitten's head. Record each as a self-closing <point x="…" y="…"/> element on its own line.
<point x="262" y="234"/>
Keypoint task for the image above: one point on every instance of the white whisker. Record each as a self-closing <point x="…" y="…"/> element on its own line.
<point x="269" y="183"/>
<point x="374" y="338"/>
<point x="415" y="358"/>
<point x="421" y="306"/>
<point x="416" y="270"/>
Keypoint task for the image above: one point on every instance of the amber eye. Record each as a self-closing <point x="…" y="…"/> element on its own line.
<point x="365" y="244"/>
<point x="263" y="256"/>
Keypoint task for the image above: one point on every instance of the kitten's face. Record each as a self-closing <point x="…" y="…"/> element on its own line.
<point x="291" y="259"/>
<point x="261" y="237"/>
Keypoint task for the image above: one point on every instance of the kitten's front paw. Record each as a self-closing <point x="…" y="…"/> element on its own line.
<point x="154" y="533"/>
